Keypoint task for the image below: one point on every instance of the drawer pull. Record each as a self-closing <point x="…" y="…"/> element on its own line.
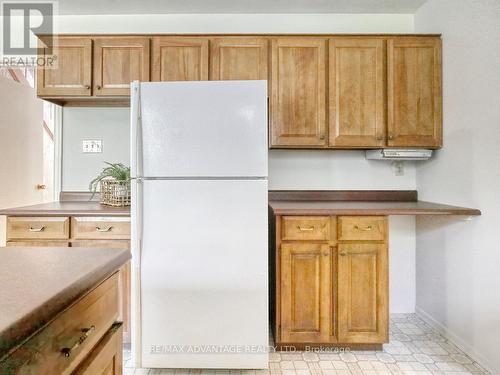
<point x="85" y="333"/>
<point x="366" y="229"/>
<point x="106" y="229"/>
<point x="40" y="229"/>
<point x="305" y="229"/>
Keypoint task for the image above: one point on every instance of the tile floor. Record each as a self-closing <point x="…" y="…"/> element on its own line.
<point x="414" y="349"/>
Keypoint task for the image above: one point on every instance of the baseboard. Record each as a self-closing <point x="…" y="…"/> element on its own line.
<point x="455" y="340"/>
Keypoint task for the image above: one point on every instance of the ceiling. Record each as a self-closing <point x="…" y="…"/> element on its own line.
<point x="76" y="7"/>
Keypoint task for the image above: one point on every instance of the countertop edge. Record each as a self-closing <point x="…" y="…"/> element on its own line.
<point x="441" y="209"/>
<point x="54" y="306"/>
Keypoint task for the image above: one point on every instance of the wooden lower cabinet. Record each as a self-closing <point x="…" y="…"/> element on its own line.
<point x="100" y="232"/>
<point x="106" y="358"/>
<point x="362" y="293"/>
<point x="123" y="281"/>
<point x="305" y="292"/>
<point x="330" y="291"/>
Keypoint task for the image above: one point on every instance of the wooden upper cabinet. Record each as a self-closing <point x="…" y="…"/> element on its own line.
<point x="238" y="59"/>
<point x="356" y="92"/>
<point x="179" y="59"/>
<point x="305" y="292"/>
<point x="414" y="92"/>
<point x="72" y="74"/>
<point x="298" y="102"/>
<point x="119" y="61"/>
<point x="362" y="293"/>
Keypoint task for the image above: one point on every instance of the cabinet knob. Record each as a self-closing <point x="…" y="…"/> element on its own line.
<point x="326" y="253"/>
<point x="343" y="254"/>
<point x="391" y="136"/>
<point x="98" y="87"/>
<point x="87" y="87"/>
<point x="322" y="136"/>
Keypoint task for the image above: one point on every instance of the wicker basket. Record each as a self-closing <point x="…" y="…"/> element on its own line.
<point x="115" y="193"/>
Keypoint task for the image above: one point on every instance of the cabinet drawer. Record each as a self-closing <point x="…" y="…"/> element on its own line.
<point x="53" y="228"/>
<point x="362" y="228"/>
<point x="306" y="228"/>
<point x="106" y="358"/>
<point x="64" y="343"/>
<point x="94" y="228"/>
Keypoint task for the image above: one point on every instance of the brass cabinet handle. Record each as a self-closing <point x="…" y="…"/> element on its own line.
<point x="343" y="254"/>
<point x="40" y="229"/>
<point x="391" y="136"/>
<point x="87" y="87"/>
<point x="305" y="229"/>
<point x="366" y="229"/>
<point x="85" y="333"/>
<point x="98" y="87"/>
<point x="99" y="229"/>
<point x="322" y="136"/>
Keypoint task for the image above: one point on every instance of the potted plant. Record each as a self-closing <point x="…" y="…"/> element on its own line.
<point x="114" y="185"/>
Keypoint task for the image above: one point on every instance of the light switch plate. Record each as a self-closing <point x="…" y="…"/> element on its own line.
<point x="92" y="146"/>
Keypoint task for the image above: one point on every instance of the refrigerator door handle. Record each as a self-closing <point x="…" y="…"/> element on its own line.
<point x="136" y="130"/>
<point x="137" y="220"/>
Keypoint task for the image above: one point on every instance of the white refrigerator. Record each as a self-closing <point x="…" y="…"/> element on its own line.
<point x="199" y="224"/>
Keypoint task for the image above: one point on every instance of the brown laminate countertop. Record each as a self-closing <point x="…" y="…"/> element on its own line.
<point x="78" y="208"/>
<point x="36" y="284"/>
<point x="358" y="202"/>
<point x="367" y="208"/>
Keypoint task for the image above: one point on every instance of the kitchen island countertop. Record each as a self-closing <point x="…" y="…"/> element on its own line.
<point x="36" y="284"/>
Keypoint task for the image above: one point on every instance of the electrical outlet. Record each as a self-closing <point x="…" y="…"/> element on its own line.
<point x="92" y="146"/>
<point x="398" y="167"/>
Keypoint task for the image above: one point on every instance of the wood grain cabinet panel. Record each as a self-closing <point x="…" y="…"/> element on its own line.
<point x="106" y="358"/>
<point x="306" y="228"/>
<point x="305" y="292"/>
<point x="179" y="59"/>
<point x="238" y="59"/>
<point x="298" y="102"/>
<point x="362" y="293"/>
<point x="124" y="280"/>
<point x="362" y="228"/>
<point x="414" y="92"/>
<point x="100" y="228"/>
<point x="37" y="228"/>
<point x="119" y="61"/>
<point x="356" y="93"/>
<point x="71" y="74"/>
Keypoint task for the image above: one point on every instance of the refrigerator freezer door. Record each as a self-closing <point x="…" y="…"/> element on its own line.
<point x="204" y="274"/>
<point x="204" y="129"/>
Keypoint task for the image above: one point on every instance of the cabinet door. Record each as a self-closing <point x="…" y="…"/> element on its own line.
<point x="124" y="281"/>
<point x="414" y="92"/>
<point x="238" y="59"/>
<point x="305" y="292"/>
<point x="106" y="357"/>
<point x="180" y="59"/>
<point x="72" y="74"/>
<point x="298" y="92"/>
<point x="119" y="61"/>
<point x="356" y="93"/>
<point x="362" y="293"/>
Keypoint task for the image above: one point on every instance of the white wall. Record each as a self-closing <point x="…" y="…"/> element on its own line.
<point x="458" y="263"/>
<point x="289" y="169"/>
<point x="111" y="125"/>
<point x="237" y="23"/>
<point x="21" y="132"/>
